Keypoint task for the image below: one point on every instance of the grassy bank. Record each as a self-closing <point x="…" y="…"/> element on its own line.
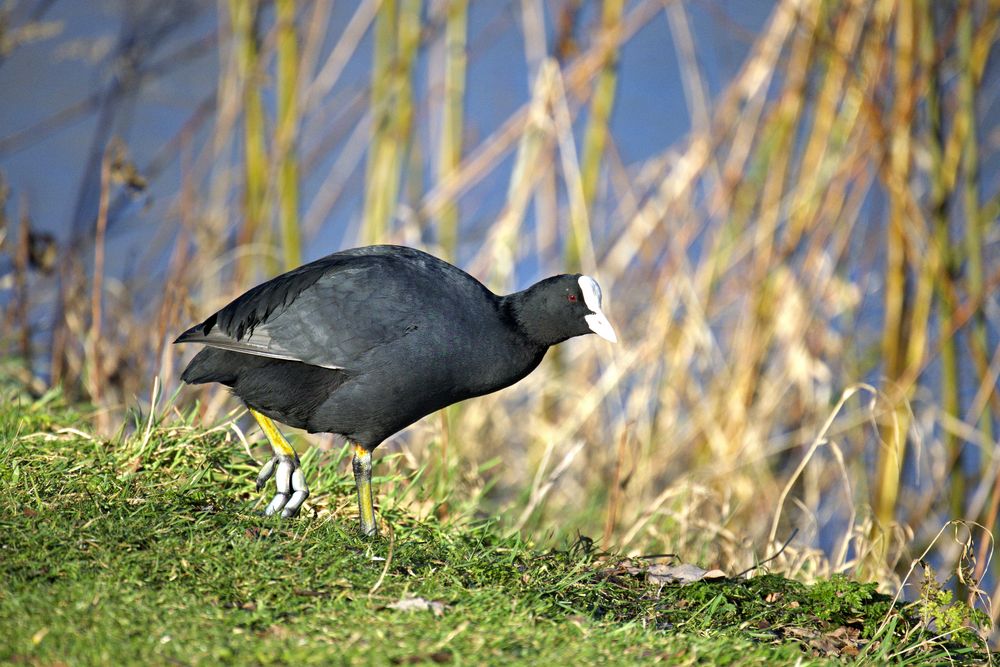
<point x="791" y="207"/>
<point x="147" y="548"/>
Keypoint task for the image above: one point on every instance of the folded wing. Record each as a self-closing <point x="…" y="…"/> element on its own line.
<point x="329" y="313"/>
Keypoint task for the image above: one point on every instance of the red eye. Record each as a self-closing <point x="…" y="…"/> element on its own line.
<point x="572" y="298"/>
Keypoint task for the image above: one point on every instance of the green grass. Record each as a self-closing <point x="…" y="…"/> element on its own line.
<point x="148" y="549"/>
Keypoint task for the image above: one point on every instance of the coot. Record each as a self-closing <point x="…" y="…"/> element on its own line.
<point x="364" y="342"/>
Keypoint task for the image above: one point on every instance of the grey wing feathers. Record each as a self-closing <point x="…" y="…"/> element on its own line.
<point x="255" y="306"/>
<point x="258" y="343"/>
<point x="329" y="326"/>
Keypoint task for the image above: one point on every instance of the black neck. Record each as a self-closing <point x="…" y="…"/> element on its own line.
<point x="527" y="310"/>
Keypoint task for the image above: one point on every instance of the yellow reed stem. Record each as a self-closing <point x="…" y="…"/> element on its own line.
<point x="450" y="153"/>
<point x="243" y="16"/>
<point x="894" y="334"/>
<point x="287" y="128"/>
<point x="596" y="136"/>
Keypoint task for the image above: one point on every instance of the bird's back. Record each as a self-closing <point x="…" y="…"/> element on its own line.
<point x="362" y="342"/>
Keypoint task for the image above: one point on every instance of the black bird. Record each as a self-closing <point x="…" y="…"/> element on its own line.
<point x="364" y="342"/>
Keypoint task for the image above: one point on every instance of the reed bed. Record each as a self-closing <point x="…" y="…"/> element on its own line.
<point x="804" y="284"/>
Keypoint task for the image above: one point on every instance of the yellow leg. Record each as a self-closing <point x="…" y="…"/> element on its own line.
<point x="279" y="445"/>
<point x="363" y="480"/>
<point x="284" y="466"/>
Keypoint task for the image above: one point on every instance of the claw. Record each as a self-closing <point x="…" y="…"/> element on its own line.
<point x="283" y="478"/>
<point x="284" y="466"/>
<point x="301" y="492"/>
<point x="276" y="503"/>
<point x="295" y="504"/>
<point x="266" y="473"/>
<point x="290" y="482"/>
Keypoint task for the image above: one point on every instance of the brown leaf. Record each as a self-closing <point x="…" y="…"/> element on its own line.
<point x="801" y="633"/>
<point x="841" y="641"/>
<point x="685" y="573"/>
<point x="134" y="465"/>
<point x="309" y="593"/>
<point x="439" y="657"/>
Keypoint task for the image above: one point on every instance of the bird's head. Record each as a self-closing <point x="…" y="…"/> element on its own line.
<point x="561" y="307"/>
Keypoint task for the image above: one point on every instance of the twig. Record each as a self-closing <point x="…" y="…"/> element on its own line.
<point x="770" y="558"/>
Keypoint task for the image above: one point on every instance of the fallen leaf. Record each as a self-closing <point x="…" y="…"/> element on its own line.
<point x="419" y="604"/>
<point x="254" y="532"/>
<point x="685" y="573"/>
<point x="843" y="641"/>
<point x="846" y="632"/>
<point x="309" y="593"/>
<point x="795" y="631"/>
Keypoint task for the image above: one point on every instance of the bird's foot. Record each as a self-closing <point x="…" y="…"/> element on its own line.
<point x="291" y="482"/>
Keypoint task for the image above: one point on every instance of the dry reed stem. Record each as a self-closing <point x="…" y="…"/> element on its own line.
<point x="618" y="481"/>
<point x="581" y="257"/>
<point x="540" y="489"/>
<point x="20" y="308"/>
<point x="499" y="249"/>
<point x="895" y="343"/>
<point x="595" y="136"/>
<point x="818" y="441"/>
<point x="482" y="159"/>
<point x="248" y="66"/>
<point x="286" y="130"/>
<point x="95" y="375"/>
<point x="320" y="86"/>
<point x="974" y="229"/>
<point x="452" y="115"/>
